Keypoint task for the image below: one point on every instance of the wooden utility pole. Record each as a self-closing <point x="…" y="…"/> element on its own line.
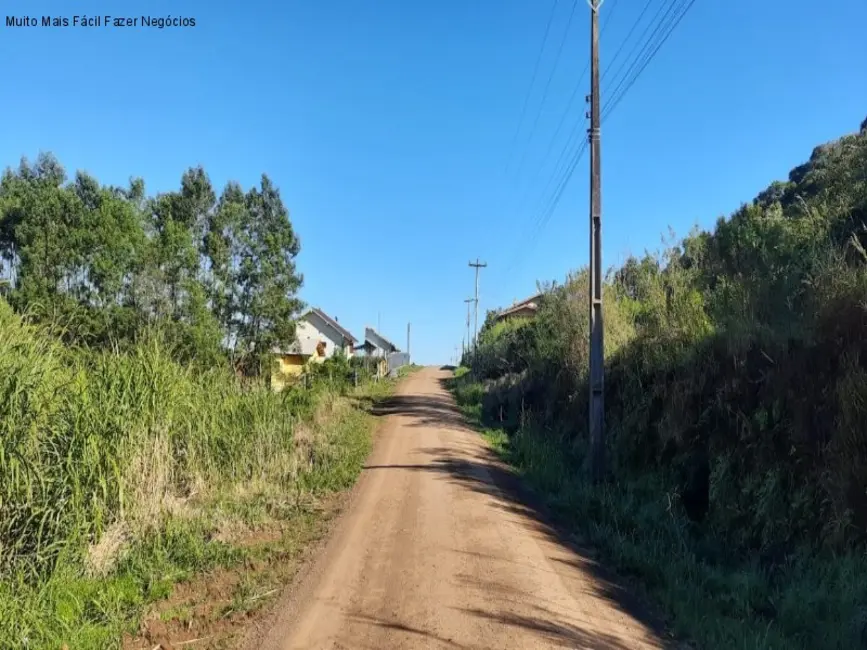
<point x="597" y="344"/>
<point x="477" y="266"/>
<point x="407" y="340"/>
<point x="468" y="301"/>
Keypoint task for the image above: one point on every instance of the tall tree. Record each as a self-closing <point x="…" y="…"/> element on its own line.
<point x="42" y="229"/>
<point x="223" y="246"/>
<point x="267" y="278"/>
<point x="212" y="274"/>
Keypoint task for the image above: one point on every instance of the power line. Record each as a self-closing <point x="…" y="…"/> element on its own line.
<point x="626" y="40"/>
<point x="548" y="85"/>
<point x="532" y="81"/>
<point x="565" y="114"/>
<point x="661" y="28"/>
<point x="564" y="179"/>
<point x="649" y="47"/>
<point x="673" y="25"/>
<point x="564" y="167"/>
<point x="635" y="70"/>
<point x="645" y="44"/>
<point x="608" y="15"/>
<point x="564" y="182"/>
<point x="640" y="42"/>
<point x="562" y="163"/>
<point x="552" y="203"/>
<point x="563" y="171"/>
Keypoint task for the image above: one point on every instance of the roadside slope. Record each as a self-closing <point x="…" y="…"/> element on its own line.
<point x="436" y="551"/>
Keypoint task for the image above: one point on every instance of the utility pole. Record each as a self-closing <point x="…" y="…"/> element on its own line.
<point x="468" y="301"/>
<point x="407" y="339"/>
<point x="476" y="265"/>
<point x="597" y="344"/>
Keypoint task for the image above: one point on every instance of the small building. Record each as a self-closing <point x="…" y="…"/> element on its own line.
<point x="526" y="308"/>
<point x="386" y="356"/>
<point x="318" y="336"/>
<point x="375" y="344"/>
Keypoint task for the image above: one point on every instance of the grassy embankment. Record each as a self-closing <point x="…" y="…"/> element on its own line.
<point x="736" y="409"/>
<point x="637" y="527"/>
<point x="122" y="475"/>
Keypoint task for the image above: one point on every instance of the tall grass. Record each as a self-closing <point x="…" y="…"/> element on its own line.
<point x="111" y="465"/>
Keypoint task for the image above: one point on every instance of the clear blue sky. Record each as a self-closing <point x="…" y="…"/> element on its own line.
<point x="388" y="126"/>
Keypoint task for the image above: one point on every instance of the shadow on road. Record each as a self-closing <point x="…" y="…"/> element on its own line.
<point x="423" y="411"/>
<point x="479" y="469"/>
<point x="412" y="631"/>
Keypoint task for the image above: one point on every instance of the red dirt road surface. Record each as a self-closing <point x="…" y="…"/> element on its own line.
<point x="439" y="549"/>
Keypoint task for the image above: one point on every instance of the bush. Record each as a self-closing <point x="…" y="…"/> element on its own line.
<point x="94" y="439"/>
<point x="736" y="376"/>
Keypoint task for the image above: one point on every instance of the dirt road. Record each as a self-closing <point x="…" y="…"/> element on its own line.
<point x="436" y="550"/>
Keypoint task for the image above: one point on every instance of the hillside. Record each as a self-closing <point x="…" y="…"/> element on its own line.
<point x="736" y="409"/>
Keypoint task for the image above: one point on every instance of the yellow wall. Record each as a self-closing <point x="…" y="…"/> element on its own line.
<point x="289" y="366"/>
<point x="382" y="367"/>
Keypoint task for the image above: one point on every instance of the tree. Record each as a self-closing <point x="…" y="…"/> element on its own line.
<point x="42" y="231"/>
<point x="213" y="275"/>
<point x="267" y="279"/>
<point x="222" y="245"/>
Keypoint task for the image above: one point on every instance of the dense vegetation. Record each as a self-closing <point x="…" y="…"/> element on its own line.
<point x="736" y="407"/>
<point x="139" y="441"/>
<point x="119" y="470"/>
<point x="217" y="275"/>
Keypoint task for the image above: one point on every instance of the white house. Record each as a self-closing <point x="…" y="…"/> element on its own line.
<point x="316" y="326"/>
<point x="317" y="337"/>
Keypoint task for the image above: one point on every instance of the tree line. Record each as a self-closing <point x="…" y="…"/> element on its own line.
<point x="215" y="275"/>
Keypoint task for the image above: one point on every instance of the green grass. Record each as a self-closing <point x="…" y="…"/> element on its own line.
<point x="121" y="473"/>
<point x="403" y="371"/>
<point x="812" y="602"/>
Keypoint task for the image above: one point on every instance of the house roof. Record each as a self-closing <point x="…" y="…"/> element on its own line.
<point x="528" y="303"/>
<point x="370" y="331"/>
<point x="331" y="321"/>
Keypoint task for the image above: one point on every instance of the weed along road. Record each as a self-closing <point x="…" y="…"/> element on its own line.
<point x="437" y="549"/>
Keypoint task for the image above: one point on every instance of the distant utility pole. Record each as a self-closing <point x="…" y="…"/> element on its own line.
<point x="407" y="339"/>
<point x="597" y="344"/>
<point x="476" y="265"/>
<point x="469" y="301"/>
